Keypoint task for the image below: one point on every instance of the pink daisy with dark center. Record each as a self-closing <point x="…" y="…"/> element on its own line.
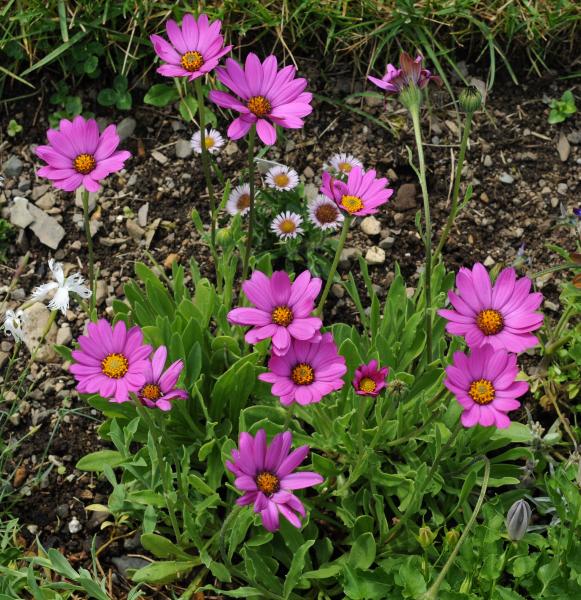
<point x="502" y="315"/>
<point x="111" y="361"/>
<point x="78" y="155"/>
<point x="196" y="47"/>
<point x="369" y="379"/>
<point x="265" y="96"/>
<point x="307" y="372"/>
<point x="282" y="309"/>
<point x="362" y="193"/>
<point x="159" y="388"/>
<point x="265" y="474"/>
<point x="484" y="383"/>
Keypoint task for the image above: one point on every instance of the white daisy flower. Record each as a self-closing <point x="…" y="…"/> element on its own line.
<point x="239" y="200"/>
<point x="63" y="287"/>
<point x="214" y="141"/>
<point x="324" y="213"/>
<point x="343" y="163"/>
<point x="287" y="225"/>
<point x="282" y="178"/>
<point x="13" y="324"/>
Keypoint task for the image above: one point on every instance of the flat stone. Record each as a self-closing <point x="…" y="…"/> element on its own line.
<point x="387" y="242"/>
<point x="370" y="226"/>
<point x="46" y="228"/>
<point x="231" y="148"/>
<point x="506" y="178"/>
<point x="100" y="292"/>
<point x="375" y="256"/>
<point x="337" y="290"/>
<point x="159" y="157"/>
<point x="126" y="128"/>
<point x="183" y="148"/>
<point x="134" y="230"/>
<point x="19" y="213"/>
<point x="405" y="198"/>
<point x="308" y="172"/>
<point x="64" y="335"/>
<point x="489" y="261"/>
<point x="563" y="147"/>
<point x="142" y="214"/>
<point x="46" y="201"/>
<point x="34" y="324"/>
<point x="39" y="191"/>
<point x="562" y="189"/>
<point x="488" y="161"/>
<point x="12" y="167"/>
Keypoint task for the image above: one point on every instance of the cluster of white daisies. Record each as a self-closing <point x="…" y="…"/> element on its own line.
<point x="323" y="213"/>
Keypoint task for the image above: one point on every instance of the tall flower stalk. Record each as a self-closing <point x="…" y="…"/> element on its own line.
<point x="87" y="222"/>
<point x="248" y="248"/>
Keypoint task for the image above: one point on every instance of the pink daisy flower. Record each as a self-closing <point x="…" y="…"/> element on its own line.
<point x="307" y="372"/>
<point x="266" y="96"/>
<point x="78" y="155"/>
<point x="410" y="73"/>
<point x="502" y="315"/>
<point x="195" y="48"/>
<point x="369" y="379"/>
<point x="362" y="193"/>
<point x="265" y="474"/>
<point x="111" y="362"/>
<point x="484" y="384"/>
<point x="159" y="387"/>
<point x="283" y="309"/>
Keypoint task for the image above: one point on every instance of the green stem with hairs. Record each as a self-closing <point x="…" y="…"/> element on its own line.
<point x="92" y="282"/>
<point x="456" y="192"/>
<point x="333" y="269"/>
<point x="248" y="248"/>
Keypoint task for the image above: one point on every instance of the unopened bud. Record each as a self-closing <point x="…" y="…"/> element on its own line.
<point x="451" y="538"/>
<point x="470" y="99"/>
<point x="426" y="537"/>
<point x="518" y="519"/>
<point x="223" y="236"/>
<point x="397" y="387"/>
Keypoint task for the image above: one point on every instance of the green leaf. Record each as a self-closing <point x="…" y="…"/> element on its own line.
<point x="107" y="97"/>
<point x="97" y="460"/>
<point x="295" y="569"/>
<point x="161" y="95"/>
<point x="188" y="108"/>
<point x="161" y="547"/>
<point x="164" y="571"/>
<point x="124" y="101"/>
<point x="363" y="551"/>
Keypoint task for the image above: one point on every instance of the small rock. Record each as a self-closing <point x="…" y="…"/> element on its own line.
<point x="391" y="175"/>
<point x="76" y="245"/>
<point x="126" y="128"/>
<point x="348" y="255"/>
<point x="183" y="148"/>
<point x="551" y="305"/>
<point x="64" y="335"/>
<point x="74" y="525"/>
<point x="563" y="147"/>
<point x="33" y="327"/>
<point x="170" y="260"/>
<point x="159" y="157"/>
<point x="387" y="242"/>
<point x="562" y="189"/>
<point x="484" y="198"/>
<point x="231" y="148"/>
<point x="12" y="167"/>
<point x="518" y="232"/>
<point x="46" y="228"/>
<point x="308" y="172"/>
<point x="337" y="290"/>
<point x="546" y="191"/>
<point x="405" y="198"/>
<point x="555" y="202"/>
<point x="47" y="201"/>
<point x="487" y="161"/>
<point x="370" y="226"/>
<point x="506" y="178"/>
<point x="575" y="136"/>
<point x="19" y="213"/>
<point x="62" y="510"/>
<point x="375" y="256"/>
<point x="142" y="214"/>
<point x="33" y="529"/>
<point x="489" y="261"/>
<point x="20" y="476"/>
<point x="100" y="292"/>
<point x="134" y="230"/>
<point x="39" y="191"/>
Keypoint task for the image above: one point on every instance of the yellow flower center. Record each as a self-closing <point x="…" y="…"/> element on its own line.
<point x="192" y="61"/>
<point x="281" y="180"/>
<point x="489" y="321"/>
<point x="287" y="226"/>
<point x="367" y="385"/>
<point x="210" y="143"/>
<point x="303" y="374"/>
<point x="351" y="204"/>
<point x="345" y="167"/>
<point x="151" y="391"/>
<point x="115" y="365"/>
<point x="481" y="391"/>
<point x="259" y="106"/>
<point x="282" y="315"/>
<point x="268" y="483"/>
<point x="243" y="202"/>
<point x="84" y="163"/>
<point x="326" y="213"/>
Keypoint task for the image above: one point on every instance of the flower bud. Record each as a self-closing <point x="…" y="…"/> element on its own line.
<point x="426" y="537"/>
<point x="518" y="519"/>
<point x="451" y="538"/>
<point x="397" y="387"/>
<point x="223" y="236"/>
<point x="470" y="99"/>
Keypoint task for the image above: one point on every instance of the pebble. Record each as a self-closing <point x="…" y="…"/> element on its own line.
<point x="308" y="172"/>
<point x="142" y="214"/>
<point x="12" y="167"/>
<point x="506" y="178"/>
<point x="126" y="128"/>
<point x="487" y="161"/>
<point x="231" y="148"/>
<point x="518" y="232"/>
<point x="74" y="525"/>
<point x="387" y="242"/>
<point x="405" y="198"/>
<point x="159" y="157"/>
<point x="183" y="148"/>
<point x="551" y="305"/>
<point x="348" y="255"/>
<point x="375" y="256"/>
<point x="46" y="228"/>
<point x="370" y="226"/>
<point x="562" y="189"/>
<point x="100" y="292"/>
<point x="170" y="260"/>
<point x="563" y="147"/>
<point x="46" y="202"/>
<point x="337" y="290"/>
<point x="555" y="202"/>
<point x="35" y="322"/>
<point x="19" y="214"/>
<point x="64" y="335"/>
<point x="575" y="136"/>
<point x="135" y="231"/>
<point x="489" y="261"/>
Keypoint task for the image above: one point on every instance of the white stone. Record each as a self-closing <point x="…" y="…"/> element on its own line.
<point x="375" y="256"/>
<point x="36" y="319"/>
<point x="74" y="525"/>
<point x="370" y="226"/>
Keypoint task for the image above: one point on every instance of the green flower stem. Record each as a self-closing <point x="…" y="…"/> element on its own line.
<point x="360" y="418"/>
<point x="333" y="270"/>
<point x="454" y="208"/>
<point x="154" y="432"/>
<point x="92" y="282"/>
<point x="432" y="593"/>
<point x="248" y="249"/>
<point x="233" y="513"/>
<point x="414" y="109"/>
<point x="11" y="363"/>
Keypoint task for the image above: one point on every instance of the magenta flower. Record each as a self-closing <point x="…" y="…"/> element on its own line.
<point x="502" y="315"/>
<point x="307" y="372"/>
<point x="159" y="387"/>
<point x="369" y="380"/>
<point x="111" y="362"/>
<point x="195" y="48"/>
<point x="266" y="95"/>
<point x="78" y="155"/>
<point x="362" y="193"/>
<point x="410" y="73"/>
<point x="484" y="384"/>
<point x="282" y="310"/>
<point x="265" y="474"/>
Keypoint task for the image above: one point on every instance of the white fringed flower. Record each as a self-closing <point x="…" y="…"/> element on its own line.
<point x="214" y="141"/>
<point x="282" y="178"/>
<point x="12" y="325"/>
<point x="343" y="163"/>
<point x="324" y="213"/>
<point x="286" y="225"/>
<point x="239" y="200"/>
<point x="63" y="287"/>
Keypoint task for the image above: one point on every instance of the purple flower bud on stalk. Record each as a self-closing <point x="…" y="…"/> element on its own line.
<point x="518" y="519"/>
